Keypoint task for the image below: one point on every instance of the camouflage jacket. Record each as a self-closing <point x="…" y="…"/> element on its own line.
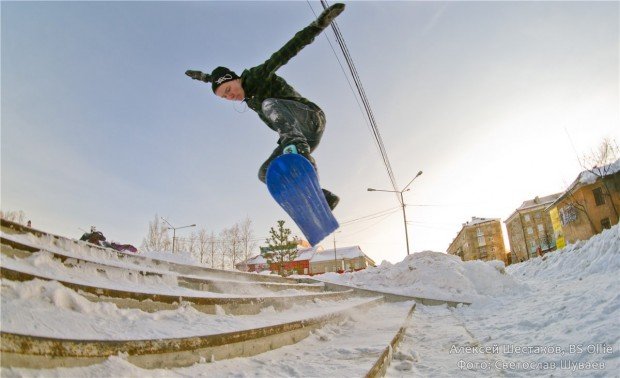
<point x="261" y="82"/>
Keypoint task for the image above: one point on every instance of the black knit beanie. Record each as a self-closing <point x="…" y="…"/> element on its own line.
<point x="220" y="76"/>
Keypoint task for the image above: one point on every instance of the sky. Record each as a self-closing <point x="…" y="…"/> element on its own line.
<point x="494" y="101"/>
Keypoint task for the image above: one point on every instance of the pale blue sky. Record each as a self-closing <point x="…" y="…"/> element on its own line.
<point x="100" y="126"/>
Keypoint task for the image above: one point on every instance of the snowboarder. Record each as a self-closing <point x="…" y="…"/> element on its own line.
<point x="299" y="122"/>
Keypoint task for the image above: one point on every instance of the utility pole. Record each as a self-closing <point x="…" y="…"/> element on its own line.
<point x="402" y="203"/>
<point x="174" y="231"/>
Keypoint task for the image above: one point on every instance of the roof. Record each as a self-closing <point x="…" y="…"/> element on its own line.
<point x="255" y="260"/>
<point x="535" y="203"/>
<point x="302" y="254"/>
<point x="341" y="253"/>
<point x="539" y="201"/>
<point x="589" y="176"/>
<point x="475" y="221"/>
<point x="306" y="253"/>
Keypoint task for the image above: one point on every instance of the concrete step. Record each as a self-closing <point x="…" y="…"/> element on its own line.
<point x="59" y="244"/>
<point x="151" y="301"/>
<point x="36" y="352"/>
<point x="13" y="248"/>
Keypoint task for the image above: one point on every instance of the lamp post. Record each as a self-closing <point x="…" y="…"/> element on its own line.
<point x="174" y="231"/>
<point x="402" y="202"/>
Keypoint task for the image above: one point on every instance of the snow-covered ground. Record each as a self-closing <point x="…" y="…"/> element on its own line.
<point x="432" y="275"/>
<point x="552" y="316"/>
<point x="564" y="321"/>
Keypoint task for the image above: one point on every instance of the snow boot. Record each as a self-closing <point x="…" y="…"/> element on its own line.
<point x="331" y="198"/>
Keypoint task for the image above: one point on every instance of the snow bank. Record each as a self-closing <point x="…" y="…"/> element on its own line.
<point x="599" y="254"/>
<point x="432" y="275"/>
<point x="573" y="306"/>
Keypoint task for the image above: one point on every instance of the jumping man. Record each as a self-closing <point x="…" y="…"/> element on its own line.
<point x="299" y="122"/>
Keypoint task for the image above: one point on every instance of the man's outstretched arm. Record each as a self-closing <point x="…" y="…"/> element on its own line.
<point x="303" y="38"/>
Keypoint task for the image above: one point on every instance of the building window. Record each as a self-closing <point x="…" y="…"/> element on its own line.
<point x="480" y="234"/>
<point x="527" y="217"/>
<point x="568" y="214"/>
<point x="483" y="252"/>
<point x="605" y="223"/>
<point x="537" y="215"/>
<point x="541" y="228"/>
<point x="598" y="196"/>
<point x="530" y="231"/>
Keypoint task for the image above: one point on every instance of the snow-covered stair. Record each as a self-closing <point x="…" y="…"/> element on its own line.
<point x="151" y="314"/>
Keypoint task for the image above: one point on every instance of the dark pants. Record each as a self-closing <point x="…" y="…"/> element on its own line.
<point x="297" y="124"/>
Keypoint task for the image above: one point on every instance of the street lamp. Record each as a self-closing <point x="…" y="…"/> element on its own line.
<point x="402" y="202"/>
<point x="174" y="231"/>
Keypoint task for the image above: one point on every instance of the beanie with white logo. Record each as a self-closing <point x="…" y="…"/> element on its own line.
<point x="222" y="75"/>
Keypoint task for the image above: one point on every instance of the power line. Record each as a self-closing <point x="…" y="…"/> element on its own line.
<point x="366" y="103"/>
<point x="370" y="216"/>
<point x="384" y="217"/>
<point x="359" y="105"/>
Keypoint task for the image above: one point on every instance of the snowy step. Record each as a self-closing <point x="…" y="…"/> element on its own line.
<point x="79" y="249"/>
<point x="392" y="297"/>
<point x="383" y="362"/>
<point x="347" y="348"/>
<point x="427" y="347"/>
<point x="99" y="331"/>
<point x="153" y="294"/>
<point x="13" y="248"/>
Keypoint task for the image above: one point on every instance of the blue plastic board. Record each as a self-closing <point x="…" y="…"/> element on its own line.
<point x="293" y="183"/>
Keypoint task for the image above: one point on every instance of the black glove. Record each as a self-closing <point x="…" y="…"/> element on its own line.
<point x="197" y="75"/>
<point x="329" y="14"/>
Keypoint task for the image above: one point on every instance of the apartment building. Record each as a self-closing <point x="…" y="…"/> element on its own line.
<point x="589" y="205"/>
<point x="479" y="239"/>
<point x="530" y="229"/>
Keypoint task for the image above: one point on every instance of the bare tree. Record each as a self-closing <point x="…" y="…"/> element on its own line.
<point x="202" y="244"/>
<point x="247" y="238"/>
<point x="222" y="247"/>
<point x="190" y="243"/>
<point x="231" y="243"/>
<point x="157" y="238"/>
<point x="598" y="160"/>
<point x="599" y="163"/>
<point x="14" y="216"/>
<point x="212" y="249"/>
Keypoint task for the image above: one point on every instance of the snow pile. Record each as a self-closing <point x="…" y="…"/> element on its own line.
<point x="572" y="307"/>
<point x="599" y="254"/>
<point x="432" y="275"/>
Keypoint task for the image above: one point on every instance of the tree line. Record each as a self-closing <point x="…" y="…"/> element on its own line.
<point x="223" y="250"/>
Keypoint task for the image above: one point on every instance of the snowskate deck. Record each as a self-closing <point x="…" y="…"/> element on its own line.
<point x="293" y="183"/>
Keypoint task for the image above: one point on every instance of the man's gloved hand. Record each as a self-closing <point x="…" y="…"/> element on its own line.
<point x="197" y="75"/>
<point x="329" y="14"/>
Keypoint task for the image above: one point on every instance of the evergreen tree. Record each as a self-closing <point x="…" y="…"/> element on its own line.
<point x="280" y="246"/>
